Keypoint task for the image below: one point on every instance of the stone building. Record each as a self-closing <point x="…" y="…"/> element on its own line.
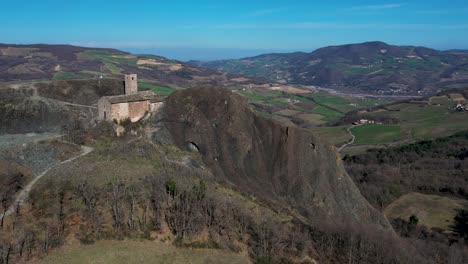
<point x="132" y="105"/>
<point x="131" y="84"/>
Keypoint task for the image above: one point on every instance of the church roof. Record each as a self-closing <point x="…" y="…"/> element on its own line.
<point x="126" y="98"/>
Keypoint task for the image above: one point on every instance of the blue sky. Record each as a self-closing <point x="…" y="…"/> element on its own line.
<point x="207" y="29"/>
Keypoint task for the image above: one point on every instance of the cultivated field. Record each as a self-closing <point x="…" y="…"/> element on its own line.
<point x="416" y="120"/>
<point x="376" y="134"/>
<point x="307" y="109"/>
<point x="159" y="90"/>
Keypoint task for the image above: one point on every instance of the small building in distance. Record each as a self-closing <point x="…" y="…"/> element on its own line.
<point x="364" y="121"/>
<point x="132" y="105"/>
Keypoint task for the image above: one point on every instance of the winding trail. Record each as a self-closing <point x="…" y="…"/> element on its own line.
<point x="23" y="195"/>
<point x="353" y="137"/>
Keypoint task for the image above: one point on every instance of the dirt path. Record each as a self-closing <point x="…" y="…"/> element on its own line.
<point x="23" y="195"/>
<point x="353" y="137"/>
<point x="71" y="104"/>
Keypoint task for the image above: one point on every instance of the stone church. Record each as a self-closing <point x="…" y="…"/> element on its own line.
<point x="132" y="105"/>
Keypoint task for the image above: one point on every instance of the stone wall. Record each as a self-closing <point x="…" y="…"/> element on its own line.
<point x="105" y="109"/>
<point x="137" y="110"/>
<point x="133" y="110"/>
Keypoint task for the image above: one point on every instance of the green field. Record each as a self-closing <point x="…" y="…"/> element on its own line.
<point x="417" y="120"/>
<point x="66" y="75"/>
<point x="420" y="122"/>
<point x="333" y="135"/>
<point x="313" y="108"/>
<point x="376" y="134"/>
<point x="128" y="252"/>
<point x="118" y="58"/>
<point x="328" y="114"/>
<point x="431" y="210"/>
<point x="160" y="90"/>
<point x="254" y="95"/>
<point x="113" y="68"/>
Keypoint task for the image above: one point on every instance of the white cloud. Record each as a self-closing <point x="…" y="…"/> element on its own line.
<point x="375" y="7"/>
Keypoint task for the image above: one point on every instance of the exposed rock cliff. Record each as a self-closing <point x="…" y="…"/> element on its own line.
<point x="288" y="167"/>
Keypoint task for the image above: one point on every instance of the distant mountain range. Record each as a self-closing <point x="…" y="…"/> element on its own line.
<point x="32" y="62"/>
<point x="371" y="67"/>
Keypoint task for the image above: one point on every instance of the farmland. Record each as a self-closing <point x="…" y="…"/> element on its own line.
<point x="416" y="120"/>
<point x="159" y="90"/>
<point x="376" y="134"/>
<point x="307" y="109"/>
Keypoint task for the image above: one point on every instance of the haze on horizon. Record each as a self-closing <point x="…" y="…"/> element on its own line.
<point x="208" y="29"/>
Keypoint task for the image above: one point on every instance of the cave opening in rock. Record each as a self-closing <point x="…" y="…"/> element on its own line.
<point x="193" y="147"/>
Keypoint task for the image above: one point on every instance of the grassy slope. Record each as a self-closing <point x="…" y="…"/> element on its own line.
<point x="376" y="134"/>
<point x="339" y="134"/>
<point x="127" y="252"/>
<point x="431" y="210"/>
<point x="160" y="90"/>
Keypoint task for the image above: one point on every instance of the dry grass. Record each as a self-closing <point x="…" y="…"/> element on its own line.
<point x="124" y="56"/>
<point x="457" y="97"/>
<point x="287" y="112"/>
<point x="171" y="67"/>
<point x="290" y="89"/>
<point x="12" y="51"/>
<point x="431" y="210"/>
<point x="175" y="67"/>
<point x="239" y="79"/>
<point x="149" y="62"/>
<point x="314" y="119"/>
<point x="128" y="252"/>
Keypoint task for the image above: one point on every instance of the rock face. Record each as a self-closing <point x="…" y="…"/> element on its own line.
<point x="288" y="167"/>
<point x="49" y="106"/>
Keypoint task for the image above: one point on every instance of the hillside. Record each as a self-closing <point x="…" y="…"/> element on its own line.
<point x="52" y="105"/>
<point x="427" y="179"/>
<point x="371" y="67"/>
<point x="400" y="122"/>
<point x="33" y="62"/>
<point x="262" y="157"/>
<point x="205" y="172"/>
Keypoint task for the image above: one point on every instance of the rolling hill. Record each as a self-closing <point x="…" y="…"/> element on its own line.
<point x="400" y="122"/>
<point x="371" y="67"/>
<point x="58" y="62"/>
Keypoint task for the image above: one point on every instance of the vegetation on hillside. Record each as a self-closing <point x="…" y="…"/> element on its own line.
<point x="189" y="211"/>
<point x="64" y="62"/>
<point x="401" y="122"/>
<point x="371" y="67"/>
<point x="431" y="166"/>
<point x="305" y="109"/>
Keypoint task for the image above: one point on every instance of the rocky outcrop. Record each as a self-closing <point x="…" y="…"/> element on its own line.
<point x="288" y="167"/>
